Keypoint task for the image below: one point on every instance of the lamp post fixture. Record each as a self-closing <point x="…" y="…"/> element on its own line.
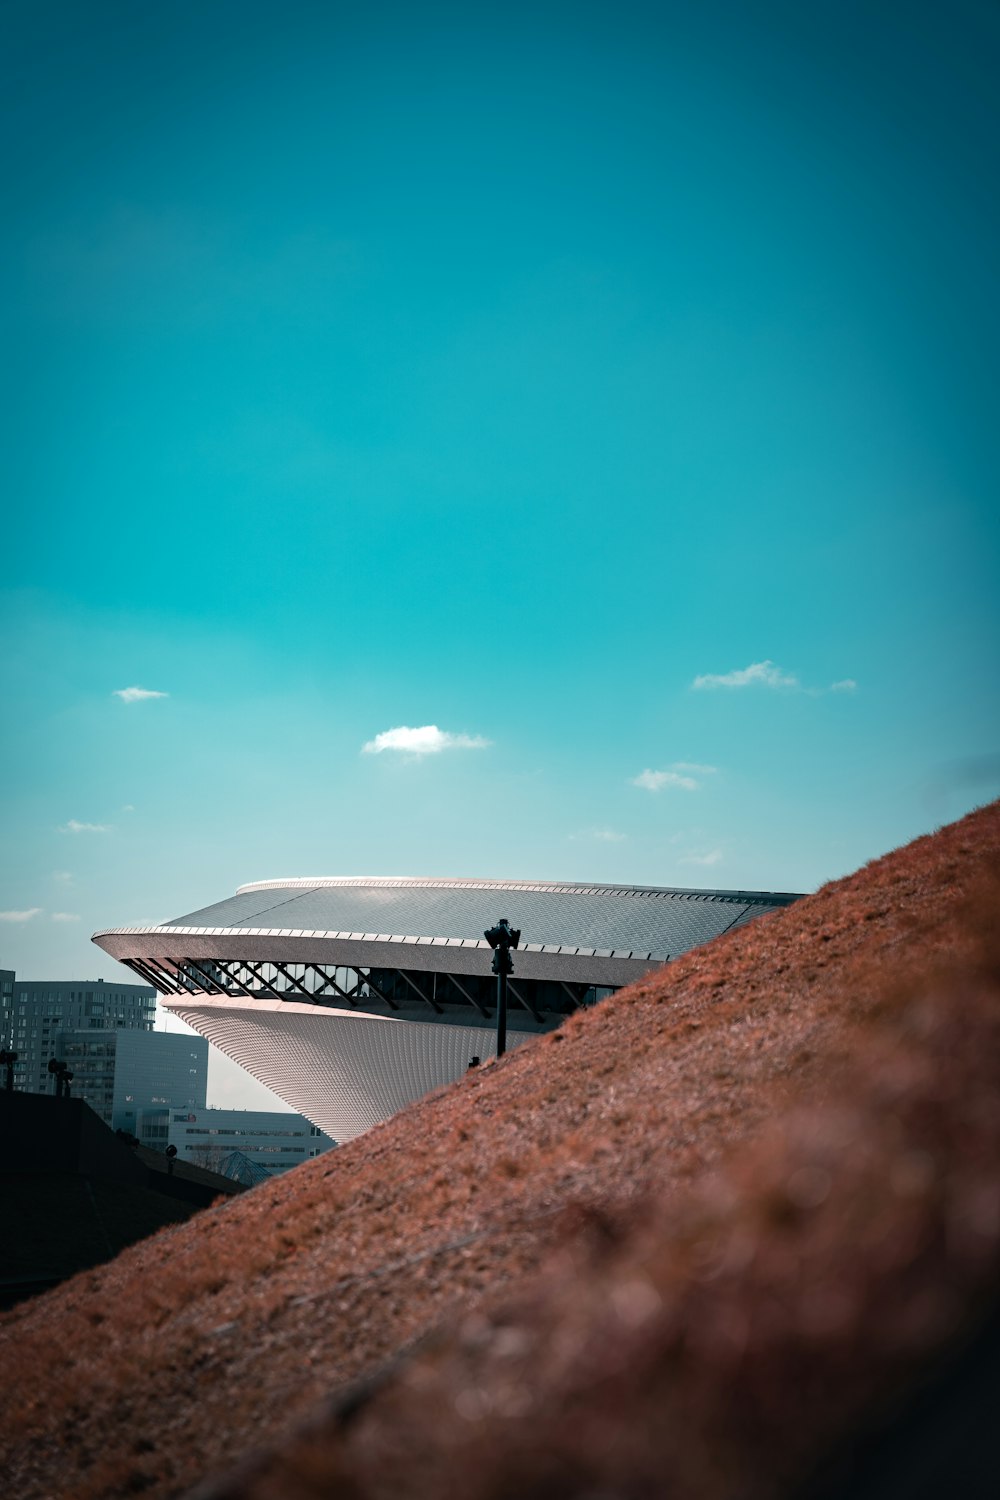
<point x="63" y="1077"/>
<point x="502" y="938"/>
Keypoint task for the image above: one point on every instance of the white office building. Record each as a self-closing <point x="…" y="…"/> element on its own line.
<point x="270" y="1141"/>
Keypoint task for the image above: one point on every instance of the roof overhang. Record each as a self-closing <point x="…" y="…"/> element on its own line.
<point x="373" y="950"/>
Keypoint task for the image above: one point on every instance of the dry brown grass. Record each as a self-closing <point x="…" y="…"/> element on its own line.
<point x="595" y="1153"/>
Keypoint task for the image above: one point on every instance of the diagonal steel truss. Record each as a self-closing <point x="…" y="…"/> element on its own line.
<point x="321" y="985"/>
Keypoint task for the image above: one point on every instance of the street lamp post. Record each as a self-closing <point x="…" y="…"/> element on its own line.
<point x="502" y="938"/>
<point x="63" y="1077"/>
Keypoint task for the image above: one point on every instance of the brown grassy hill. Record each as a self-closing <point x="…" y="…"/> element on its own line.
<point x="690" y="1331"/>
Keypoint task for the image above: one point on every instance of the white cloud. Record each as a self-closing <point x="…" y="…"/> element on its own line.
<point x="766" y="674"/>
<point x="65" y="916"/>
<point x="62" y="877"/>
<point x="426" y="740"/>
<point x="128" y="807"/>
<point x="136" y="694"/>
<point x="758" y="674"/>
<point x="682" y="773"/>
<point x="20" y="916"/>
<point x="604" y="835"/>
<point x="74" y="827"/>
<point x="713" y="857"/>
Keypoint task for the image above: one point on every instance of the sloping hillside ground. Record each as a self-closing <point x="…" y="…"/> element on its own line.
<point x="685" y="1245"/>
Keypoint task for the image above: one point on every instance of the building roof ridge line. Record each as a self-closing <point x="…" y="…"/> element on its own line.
<point x="556" y="887"/>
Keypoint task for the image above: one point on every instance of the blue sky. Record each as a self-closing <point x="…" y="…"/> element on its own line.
<point x="510" y="370"/>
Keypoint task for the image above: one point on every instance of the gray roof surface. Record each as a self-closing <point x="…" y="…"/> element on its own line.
<point x="630" y="918"/>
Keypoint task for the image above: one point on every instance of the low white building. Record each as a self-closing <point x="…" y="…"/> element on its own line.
<point x="268" y="1140"/>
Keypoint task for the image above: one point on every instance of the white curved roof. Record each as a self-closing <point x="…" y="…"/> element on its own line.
<point x="649" y="921"/>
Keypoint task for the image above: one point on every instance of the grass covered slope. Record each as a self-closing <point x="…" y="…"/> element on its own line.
<point x="745" y="1180"/>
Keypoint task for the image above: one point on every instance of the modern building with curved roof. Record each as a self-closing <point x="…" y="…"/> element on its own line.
<point x="352" y="996"/>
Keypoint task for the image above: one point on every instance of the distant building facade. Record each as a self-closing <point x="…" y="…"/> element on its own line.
<point x="269" y="1140"/>
<point x="129" y="1076"/>
<point x="151" y="1084"/>
<point x="35" y="1013"/>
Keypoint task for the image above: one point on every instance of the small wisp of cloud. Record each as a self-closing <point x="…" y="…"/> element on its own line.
<point x="136" y="694"/>
<point x="758" y="674"/>
<point x="602" y="835"/>
<point x="655" y="781"/>
<point x="20" y="916"/>
<point x="712" y="857"/>
<point x="62" y="877"/>
<point x="65" y="916"/>
<point x="427" y="739"/>
<point x="685" y="774"/>
<point x="767" y="674"/>
<point x="74" y="826"/>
